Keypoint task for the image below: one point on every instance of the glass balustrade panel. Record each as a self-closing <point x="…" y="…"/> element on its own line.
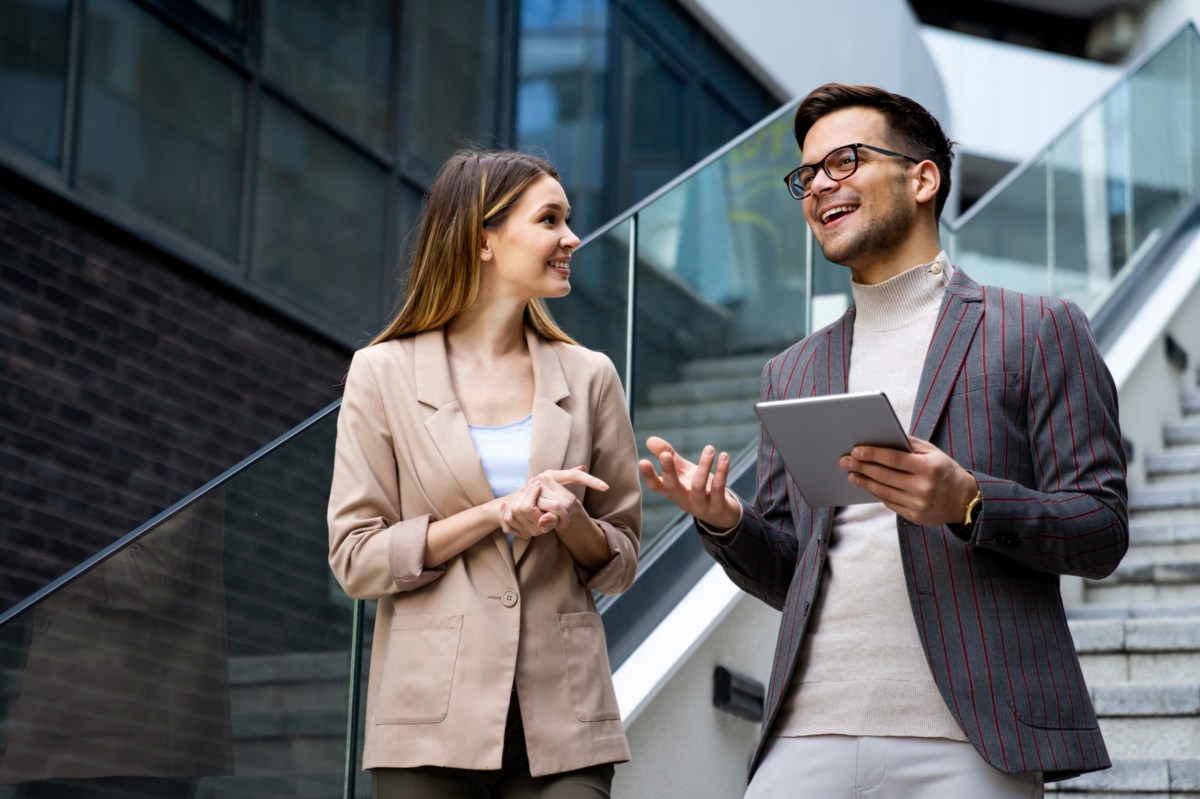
<point x="595" y="313"/>
<point x="1160" y="115"/>
<point x="721" y="286"/>
<point x="208" y="658"/>
<point x="1006" y="243"/>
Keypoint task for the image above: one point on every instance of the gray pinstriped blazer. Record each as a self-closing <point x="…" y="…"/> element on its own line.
<point x="1014" y="389"/>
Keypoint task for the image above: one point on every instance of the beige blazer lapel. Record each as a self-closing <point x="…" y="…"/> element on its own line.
<point x="551" y="423"/>
<point x="448" y="429"/>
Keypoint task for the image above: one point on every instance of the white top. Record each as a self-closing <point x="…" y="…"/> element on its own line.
<point x="504" y="451"/>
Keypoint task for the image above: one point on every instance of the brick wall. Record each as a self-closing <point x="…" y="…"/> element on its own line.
<point x="127" y="379"/>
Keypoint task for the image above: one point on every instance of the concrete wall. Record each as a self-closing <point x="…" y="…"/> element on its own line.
<point x="1139" y="364"/>
<point x="798" y="46"/>
<point x="682" y="745"/>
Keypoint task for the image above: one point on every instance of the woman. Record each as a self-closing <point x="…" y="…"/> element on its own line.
<point x="485" y="483"/>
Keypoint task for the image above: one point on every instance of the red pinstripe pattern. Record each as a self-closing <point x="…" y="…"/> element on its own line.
<point x="999" y="393"/>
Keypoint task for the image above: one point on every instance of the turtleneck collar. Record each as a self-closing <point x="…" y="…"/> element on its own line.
<point x="901" y="300"/>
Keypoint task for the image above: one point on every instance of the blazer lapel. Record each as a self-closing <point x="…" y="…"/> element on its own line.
<point x="832" y="378"/>
<point x="551" y="423"/>
<point x="448" y="425"/>
<point x="958" y="319"/>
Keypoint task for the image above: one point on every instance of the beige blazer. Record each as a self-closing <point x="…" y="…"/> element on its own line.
<point x="450" y="643"/>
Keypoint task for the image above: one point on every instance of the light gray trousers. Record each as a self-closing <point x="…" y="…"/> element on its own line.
<point x="848" y="767"/>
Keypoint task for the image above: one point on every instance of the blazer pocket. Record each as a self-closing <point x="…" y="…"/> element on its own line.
<point x="988" y="381"/>
<point x="418" y="670"/>
<point x="588" y="671"/>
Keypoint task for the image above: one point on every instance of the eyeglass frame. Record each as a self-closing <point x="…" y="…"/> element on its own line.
<point x="824" y="167"/>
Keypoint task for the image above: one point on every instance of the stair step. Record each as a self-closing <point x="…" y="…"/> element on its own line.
<point x="1181" y="433"/>
<point x="732" y="366"/>
<point x="706" y="414"/>
<point x="1158" y="700"/>
<point x="294" y="786"/>
<point x="1085" y="612"/>
<point x="732" y="438"/>
<point x="1191" y="402"/>
<point x="1137" y="635"/>
<point x="1165" y="497"/>
<point x="1143" y="778"/>
<point x="1174" y="464"/>
<point x="1149" y="737"/>
<point x="744" y="389"/>
<point x="1183" y="530"/>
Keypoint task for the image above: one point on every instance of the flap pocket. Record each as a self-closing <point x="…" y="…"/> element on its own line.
<point x="590" y="677"/>
<point x="418" y="669"/>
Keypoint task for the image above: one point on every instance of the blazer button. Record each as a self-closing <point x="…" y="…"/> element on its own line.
<point x="509" y="599"/>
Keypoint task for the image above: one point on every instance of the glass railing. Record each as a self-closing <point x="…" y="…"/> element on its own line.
<point x="209" y="648"/>
<point x="210" y="652"/>
<point x="721" y="271"/>
<point x="1075" y="218"/>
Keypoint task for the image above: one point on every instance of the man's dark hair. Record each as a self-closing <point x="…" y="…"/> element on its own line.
<point x="916" y="130"/>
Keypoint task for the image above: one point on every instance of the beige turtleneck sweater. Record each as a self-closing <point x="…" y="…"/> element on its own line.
<point x="862" y="670"/>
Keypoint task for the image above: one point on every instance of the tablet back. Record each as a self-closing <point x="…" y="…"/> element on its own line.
<point x="813" y="433"/>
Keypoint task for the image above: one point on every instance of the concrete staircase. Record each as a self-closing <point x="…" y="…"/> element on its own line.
<point x="1138" y="633"/>
<point x="711" y="403"/>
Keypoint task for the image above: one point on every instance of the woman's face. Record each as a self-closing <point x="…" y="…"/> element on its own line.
<point x="529" y="255"/>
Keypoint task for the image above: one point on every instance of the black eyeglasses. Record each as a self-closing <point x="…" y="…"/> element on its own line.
<point x="838" y="165"/>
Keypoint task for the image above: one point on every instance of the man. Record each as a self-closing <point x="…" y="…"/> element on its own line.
<point x="923" y="649"/>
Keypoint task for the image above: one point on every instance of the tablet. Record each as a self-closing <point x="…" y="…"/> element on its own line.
<point x="813" y="433"/>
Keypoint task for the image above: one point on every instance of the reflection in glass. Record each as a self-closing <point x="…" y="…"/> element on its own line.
<point x="725" y="251"/>
<point x="561" y="96"/>
<point x="595" y="312"/>
<point x="335" y="57"/>
<point x="451" y="72"/>
<point x="33" y="67"/>
<point x="125" y="679"/>
<point x="222" y="9"/>
<point x="1161" y="172"/>
<point x="1006" y="242"/>
<point x="318" y="221"/>
<point x="651" y="138"/>
<point x="161" y="125"/>
<point x="209" y="658"/>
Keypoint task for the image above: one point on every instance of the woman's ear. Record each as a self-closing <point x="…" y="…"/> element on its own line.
<point x="485" y="248"/>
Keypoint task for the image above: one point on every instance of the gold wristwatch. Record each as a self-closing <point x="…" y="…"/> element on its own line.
<point x="971" y="506"/>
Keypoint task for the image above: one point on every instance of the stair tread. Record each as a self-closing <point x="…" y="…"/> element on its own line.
<point x="1139" y="775"/>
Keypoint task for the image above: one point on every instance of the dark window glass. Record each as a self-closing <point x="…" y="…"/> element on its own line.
<point x="223" y="9"/>
<point x="651" y="112"/>
<point x="161" y="125"/>
<point x="560" y="97"/>
<point x="717" y="124"/>
<point x="451" y="75"/>
<point x="335" y="57"/>
<point x="318" y="220"/>
<point x="33" y="65"/>
<point x="408" y="210"/>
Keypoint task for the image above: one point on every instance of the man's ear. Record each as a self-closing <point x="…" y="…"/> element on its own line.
<point x="928" y="180"/>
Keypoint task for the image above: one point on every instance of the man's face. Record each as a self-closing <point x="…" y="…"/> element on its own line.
<point x="861" y="220"/>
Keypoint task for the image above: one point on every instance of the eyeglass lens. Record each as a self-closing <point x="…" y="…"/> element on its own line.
<point x="839" y="165"/>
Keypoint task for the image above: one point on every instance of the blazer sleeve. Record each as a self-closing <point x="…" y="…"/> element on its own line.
<point x="618" y="511"/>
<point x="372" y="551"/>
<point x="761" y="552"/>
<point x="1076" y="521"/>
